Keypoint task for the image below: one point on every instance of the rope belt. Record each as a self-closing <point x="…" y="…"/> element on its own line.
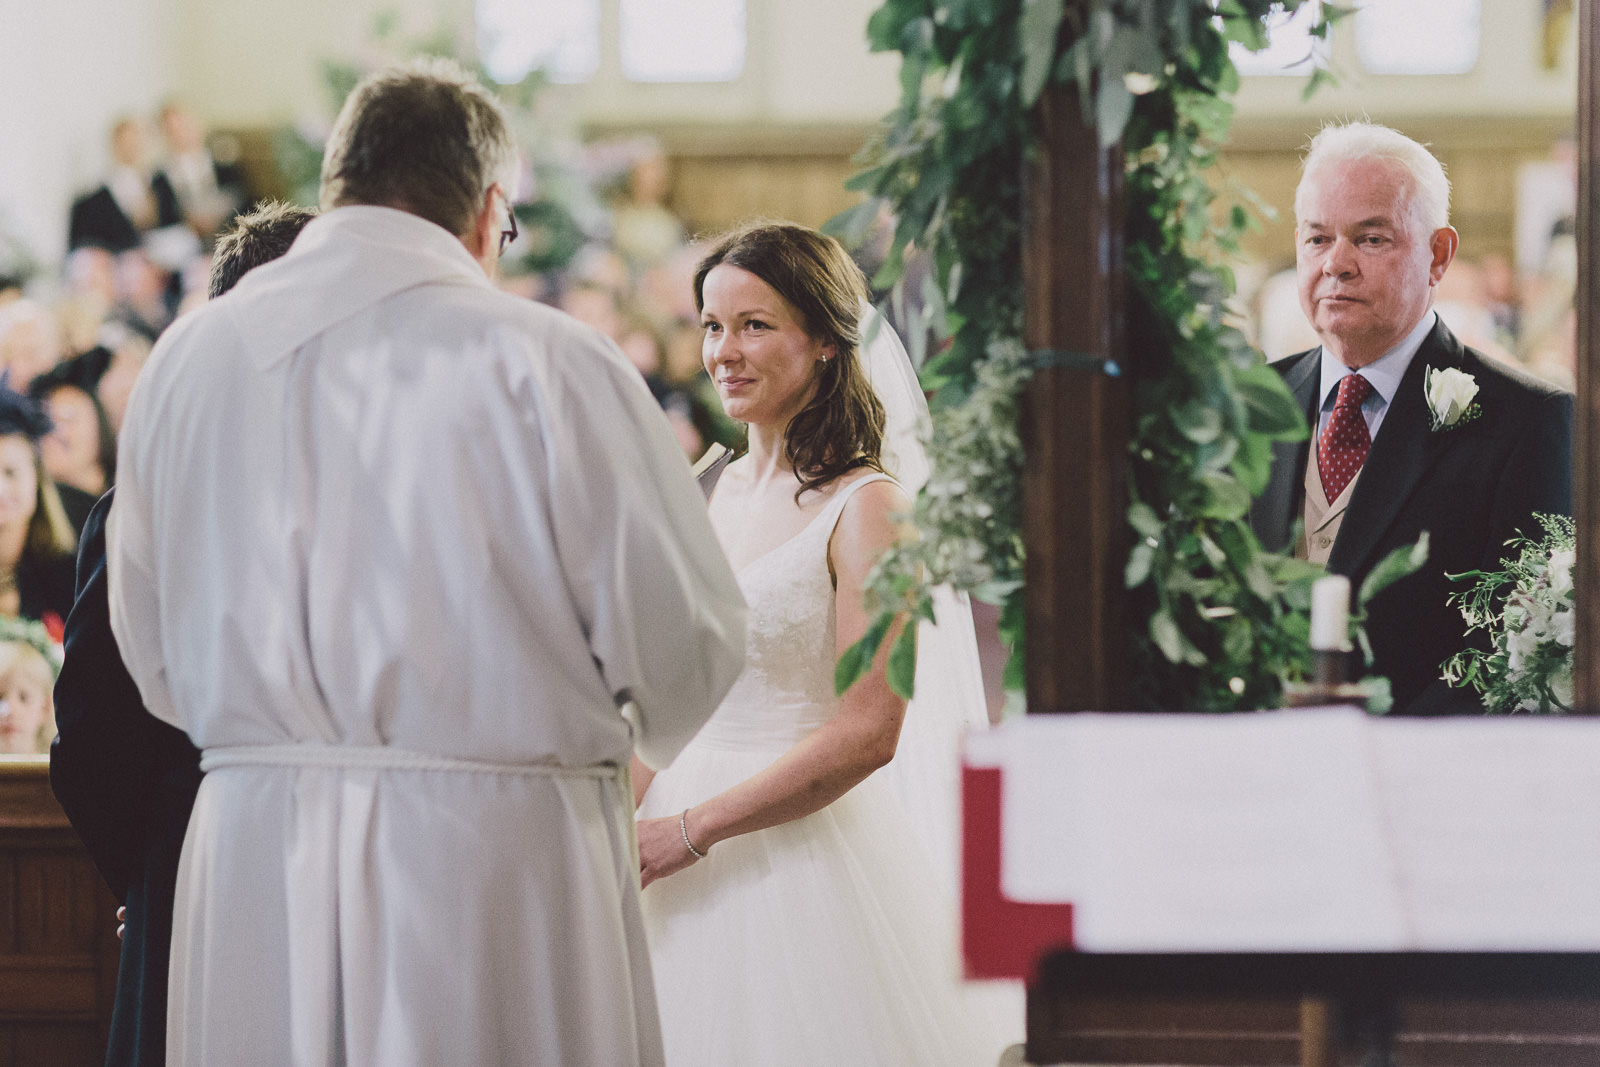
<point x="377" y="757"/>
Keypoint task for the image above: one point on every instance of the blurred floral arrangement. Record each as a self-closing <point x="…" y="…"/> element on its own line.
<point x="44" y="637"/>
<point x="558" y="211"/>
<point x="1526" y="609"/>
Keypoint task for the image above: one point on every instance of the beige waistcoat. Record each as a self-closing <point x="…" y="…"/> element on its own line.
<point x="1322" y="519"/>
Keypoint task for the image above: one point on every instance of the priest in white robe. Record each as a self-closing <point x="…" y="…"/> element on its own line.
<point x="393" y="547"/>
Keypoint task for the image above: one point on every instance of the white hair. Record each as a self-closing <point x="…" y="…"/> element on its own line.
<point x="1429" y="190"/>
<point x="26" y="312"/>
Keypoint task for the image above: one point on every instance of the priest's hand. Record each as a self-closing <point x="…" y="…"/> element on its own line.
<point x="661" y="849"/>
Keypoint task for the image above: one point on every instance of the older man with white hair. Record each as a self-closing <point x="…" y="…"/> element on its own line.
<point x="1412" y="431"/>
<point x="30" y="341"/>
<point x="394" y="547"/>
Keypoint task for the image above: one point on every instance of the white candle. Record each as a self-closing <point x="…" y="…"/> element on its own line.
<point x="1330" y="614"/>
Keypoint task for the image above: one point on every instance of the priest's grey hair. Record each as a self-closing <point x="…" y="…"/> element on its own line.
<point x="1429" y="188"/>
<point x="424" y="137"/>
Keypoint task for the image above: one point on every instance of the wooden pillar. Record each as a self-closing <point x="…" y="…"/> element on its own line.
<point x="1586" y="438"/>
<point x="1076" y="419"/>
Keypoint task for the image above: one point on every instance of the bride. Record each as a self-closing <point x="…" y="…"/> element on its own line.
<point x="795" y="912"/>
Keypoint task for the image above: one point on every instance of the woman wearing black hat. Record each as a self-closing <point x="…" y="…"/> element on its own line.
<point x="36" y="540"/>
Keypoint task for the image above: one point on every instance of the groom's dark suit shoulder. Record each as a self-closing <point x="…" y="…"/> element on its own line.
<point x="1472" y="488"/>
<point x="127" y="782"/>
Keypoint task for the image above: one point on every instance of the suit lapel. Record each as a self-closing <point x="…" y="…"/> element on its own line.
<point x="1272" y="514"/>
<point x="1404" y="450"/>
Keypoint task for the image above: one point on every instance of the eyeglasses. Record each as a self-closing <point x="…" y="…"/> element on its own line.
<point x="507" y="236"/>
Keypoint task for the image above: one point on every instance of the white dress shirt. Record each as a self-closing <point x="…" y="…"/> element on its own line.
<point x="1383" y="374"/>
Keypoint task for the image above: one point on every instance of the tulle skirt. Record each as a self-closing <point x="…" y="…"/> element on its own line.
<point x="828" y="941"/>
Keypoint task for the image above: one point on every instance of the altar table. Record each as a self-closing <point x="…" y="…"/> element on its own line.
<point x="1290" y="887"/>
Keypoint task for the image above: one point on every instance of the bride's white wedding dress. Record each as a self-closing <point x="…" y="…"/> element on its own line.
<point x="829" y="941"/>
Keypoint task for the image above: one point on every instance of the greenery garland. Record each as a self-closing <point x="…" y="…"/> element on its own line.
<point x="1223" y="622"/>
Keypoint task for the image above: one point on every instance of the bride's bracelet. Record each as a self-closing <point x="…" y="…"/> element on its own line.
<point x="683" y="826"/>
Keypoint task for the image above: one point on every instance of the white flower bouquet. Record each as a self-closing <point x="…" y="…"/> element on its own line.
<point x="1526" y="609"/>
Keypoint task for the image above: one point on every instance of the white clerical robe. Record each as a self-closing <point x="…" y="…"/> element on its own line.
<point x="392" y="546"/>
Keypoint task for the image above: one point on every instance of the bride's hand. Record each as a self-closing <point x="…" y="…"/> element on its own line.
<point x="661" y="849"/>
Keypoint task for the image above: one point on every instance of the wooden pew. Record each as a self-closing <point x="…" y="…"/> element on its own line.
<point x="58" y="940"/>
<point x="1067" y="1024"/>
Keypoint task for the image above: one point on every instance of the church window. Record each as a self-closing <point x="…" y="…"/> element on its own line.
<point x="648" y="40"/>
<point x="1418" y="36"/>
<point x="682" y="40"/>
<point x="1291" y="49"/>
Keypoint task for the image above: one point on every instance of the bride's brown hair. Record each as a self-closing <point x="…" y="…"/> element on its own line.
<point x="841" y="426"/>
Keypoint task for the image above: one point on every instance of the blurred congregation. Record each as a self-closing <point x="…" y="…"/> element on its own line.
<point x="139" y="252"/>
<point x="106" y="233"/>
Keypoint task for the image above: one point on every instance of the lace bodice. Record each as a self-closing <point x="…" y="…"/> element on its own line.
<point x="786" y="689"/>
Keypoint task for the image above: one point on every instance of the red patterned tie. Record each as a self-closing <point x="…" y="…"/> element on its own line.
<point x="1343" y="446"/>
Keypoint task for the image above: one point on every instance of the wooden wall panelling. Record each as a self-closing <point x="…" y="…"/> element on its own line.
<point x="1265" y="1032"/>
<point x="726" y="175"/>
<point x="1481" y="157"/>
<point x="714" y="193"/>
<point x="58" y="945"/>
<point x="1196" y="1032"/>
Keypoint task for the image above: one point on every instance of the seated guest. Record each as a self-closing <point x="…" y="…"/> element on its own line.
<point x="132" y="202"/>
<point x="36" y="539"/>
<point x="148" y="294"/>
<point x="208" y="190"/>
<point x="645" y="232"/>
<point x="125" y="352"/>
<point x="126" y="779"/>
<point x="30" y="341"/>
<point x="27" y="714"/>
<point x="90" y="274"/>
<point x="80" y="452"/>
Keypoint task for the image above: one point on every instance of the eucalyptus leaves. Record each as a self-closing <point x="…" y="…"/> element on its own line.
<point x="1224" y="622"/>
<point x="969" y="516"/>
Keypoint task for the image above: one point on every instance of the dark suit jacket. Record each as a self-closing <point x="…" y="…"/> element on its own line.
<point x="44" y="586"/>
<point x="77" y="504"/>
<point x="98" y="221"/>
<point x="127" y="781"/>
<point x="1472" y="488"/>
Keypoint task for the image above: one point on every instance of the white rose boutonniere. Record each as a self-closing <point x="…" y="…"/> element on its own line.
<point x="1450" y="394"/>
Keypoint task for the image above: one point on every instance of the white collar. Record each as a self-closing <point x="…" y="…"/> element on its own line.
<point x="192" y="168"/>
<point x="130" y="188"/>
<point x="1383" y="373"/>
<point x="343" y="262"/>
